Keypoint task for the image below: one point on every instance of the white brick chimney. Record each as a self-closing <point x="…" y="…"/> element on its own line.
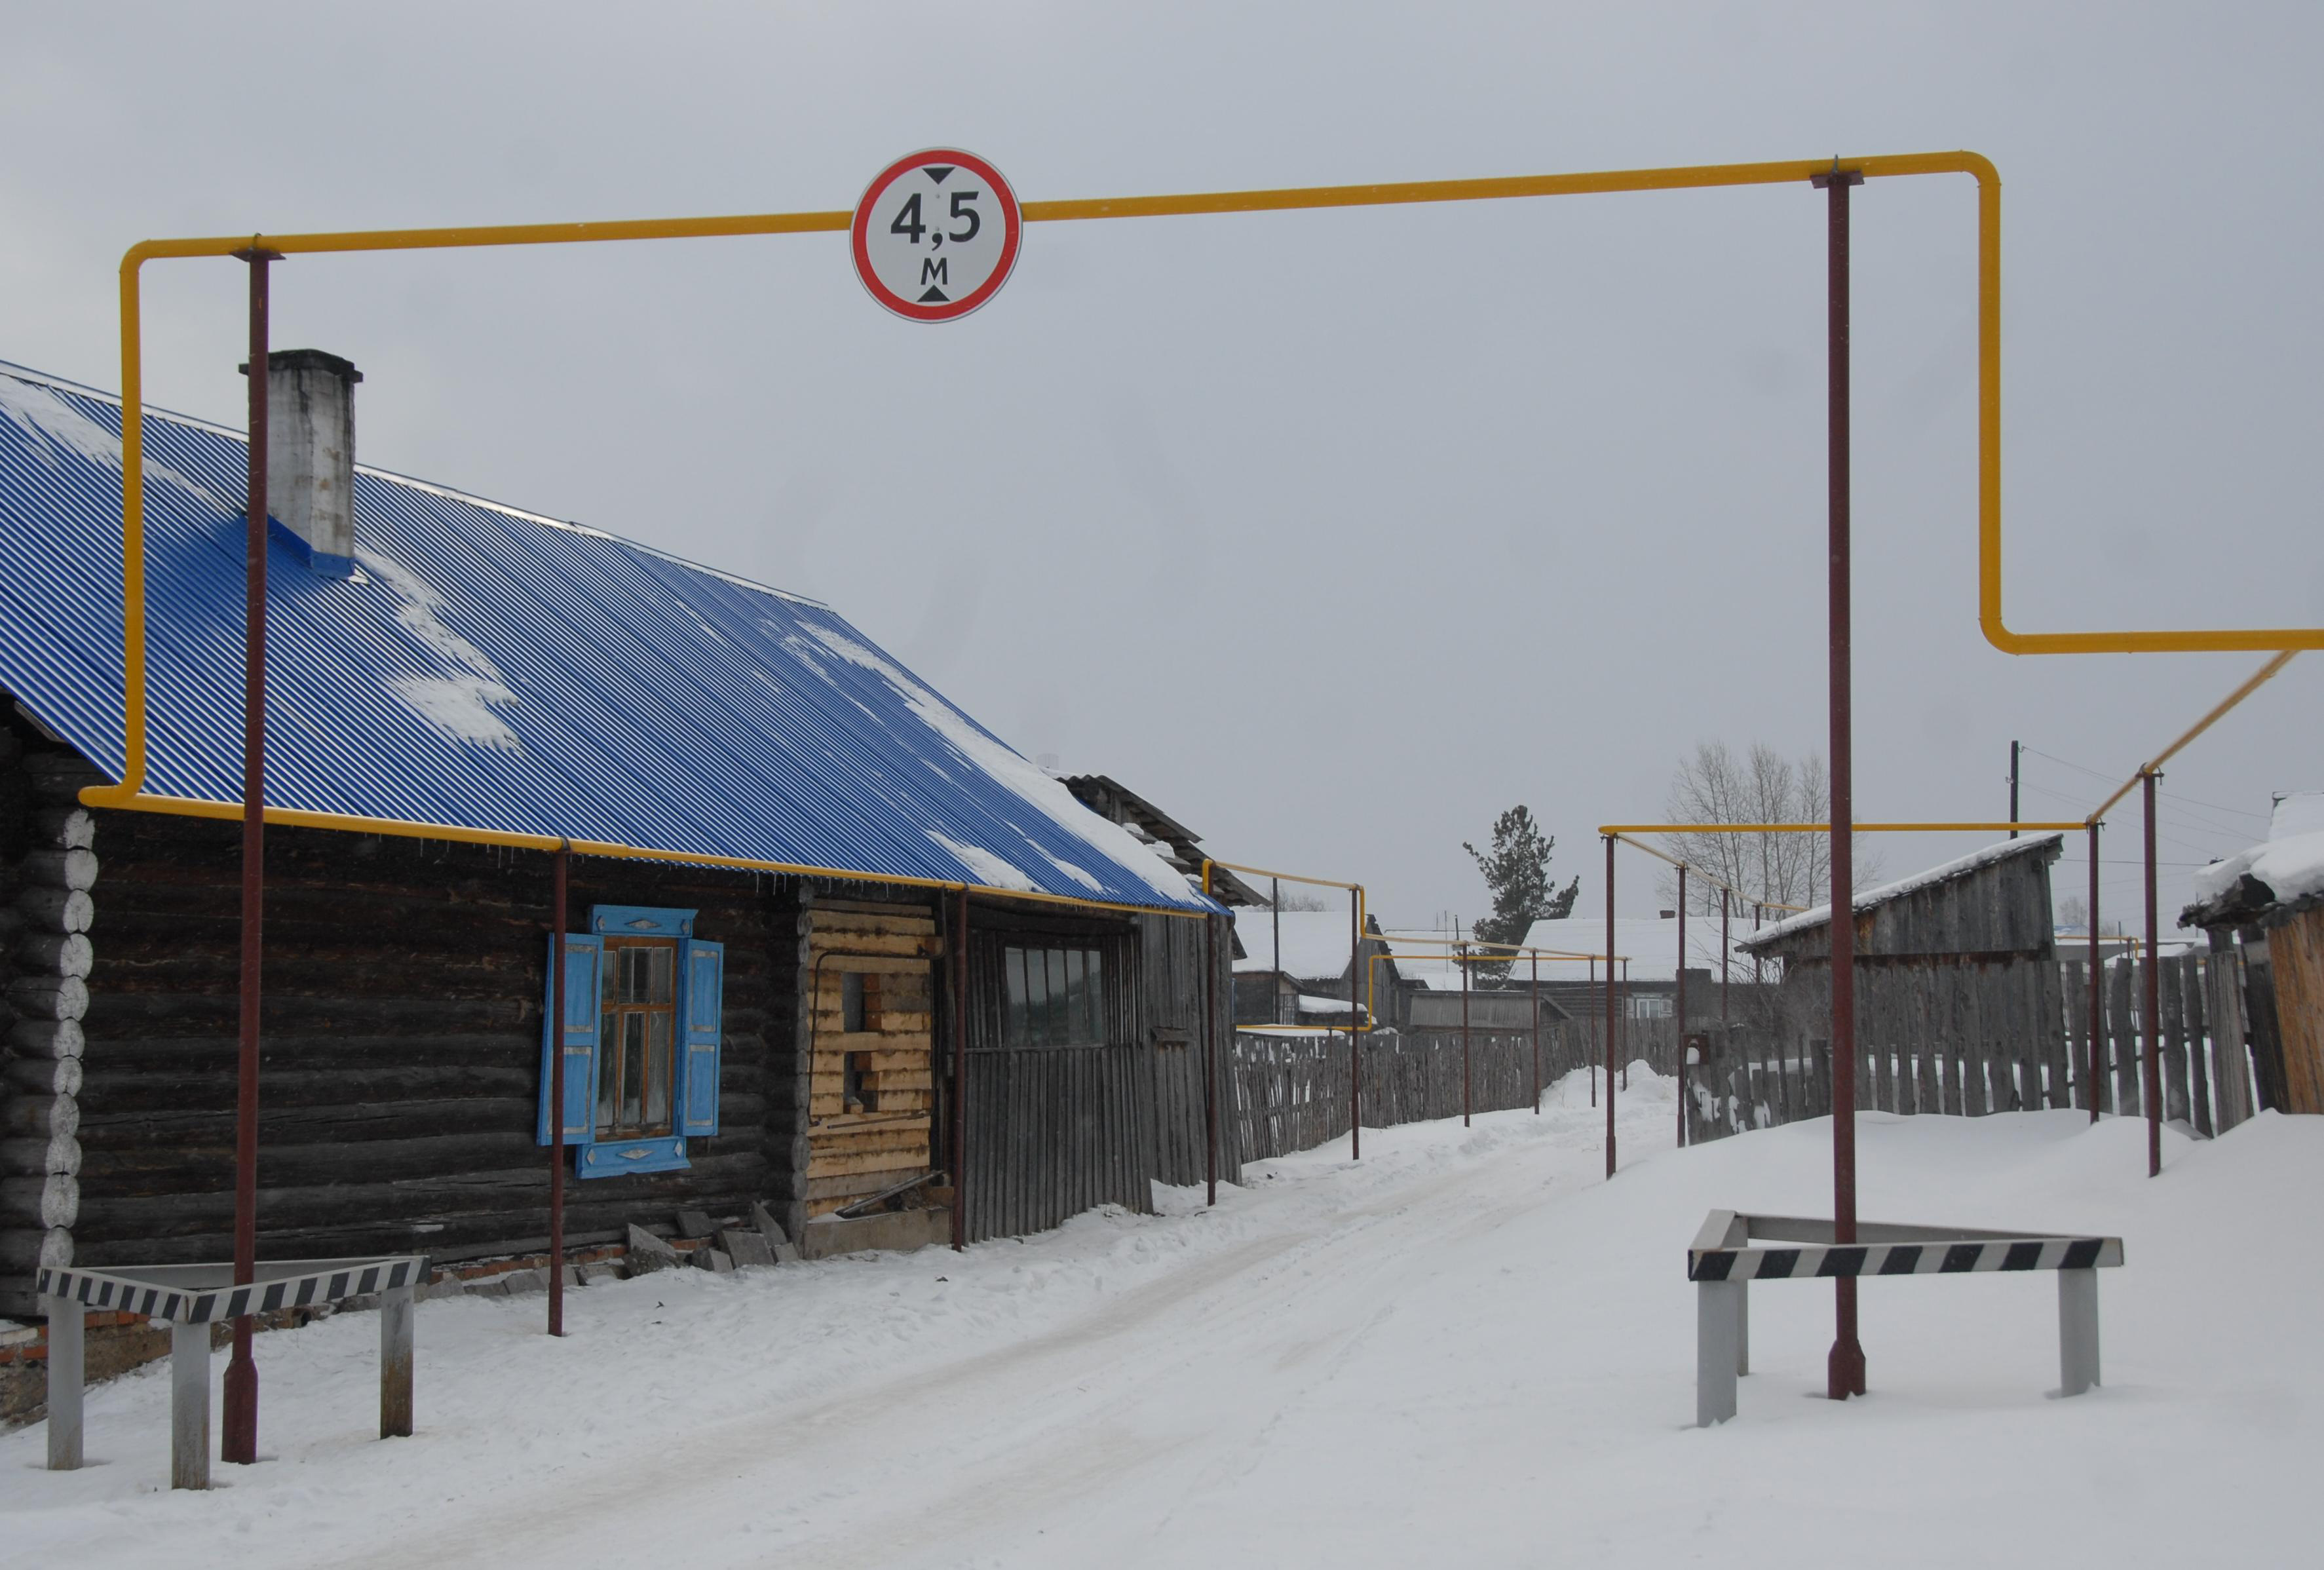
<point x="310" y="454"/>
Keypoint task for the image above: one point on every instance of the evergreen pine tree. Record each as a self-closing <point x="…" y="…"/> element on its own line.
<point x="1517" y="874"/>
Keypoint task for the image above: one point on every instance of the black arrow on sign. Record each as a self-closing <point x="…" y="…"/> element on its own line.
<point x="937" y="172"/>
<point x="934" y="296"/>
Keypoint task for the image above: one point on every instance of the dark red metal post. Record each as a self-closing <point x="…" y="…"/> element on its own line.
<point x="560" y="888"/>
<point x="1610" y="1005"/>
<point x="2092" y="1048"/>
<point x="960" y="1081"/>
<point x="1844" y="1371"/>
<point x="1275" y="914"/>
<point x="238" y="1442"/>
<point x="1210" y="1056"/>
<point x="1593" y="987"/>
<point x="1465" y="1035"/>
<point x="1679" y="1106"/>
<point x="2153" y="1009"/>
<point x="1355" y="1033"/>
<point x="1536" y="1035"/>
<point x="1725" y="957"/>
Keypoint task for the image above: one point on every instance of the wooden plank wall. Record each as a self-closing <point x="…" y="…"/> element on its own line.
<point x="2296" y="955"/>
<point x="1170" y="957"/>
<point x="1972" y="1039"/>
<point x="853" y="1151"/>
<point x="1055" y="1130"/>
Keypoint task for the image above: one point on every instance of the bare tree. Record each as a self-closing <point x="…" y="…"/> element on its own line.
<point x="1715" y="786"/>
<point x="1298" y="899"/>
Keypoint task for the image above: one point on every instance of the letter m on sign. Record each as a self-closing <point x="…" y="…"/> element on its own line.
<point x="937" y="270"/>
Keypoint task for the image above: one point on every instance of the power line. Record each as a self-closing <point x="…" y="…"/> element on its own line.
<point x="2173" y="795"/>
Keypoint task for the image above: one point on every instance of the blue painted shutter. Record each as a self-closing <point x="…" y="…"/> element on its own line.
<point x="704" y="966"/>
<point x="584" y="958"/>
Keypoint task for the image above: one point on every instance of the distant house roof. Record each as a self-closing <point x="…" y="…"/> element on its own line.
<point x="1315" y="943"/>
<point x="1174" y="841"/>
<point x="1651" y="945"/>
<point x="2044" y="846"/>
<point x="2285" y="870"/>
<point x="492" y="669"/>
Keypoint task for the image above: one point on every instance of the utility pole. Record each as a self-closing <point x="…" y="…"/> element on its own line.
<point x="2014" y="748"/>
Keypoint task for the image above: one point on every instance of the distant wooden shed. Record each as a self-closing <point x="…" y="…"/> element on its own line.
<point x="2268" y="902"/>
<point x="1960" y="1003"/>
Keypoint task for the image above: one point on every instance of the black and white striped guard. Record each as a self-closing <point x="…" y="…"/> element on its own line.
<point x="203" y="1294"/>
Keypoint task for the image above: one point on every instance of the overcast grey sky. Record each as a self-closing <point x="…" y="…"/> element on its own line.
<point x="1332" y="532"/>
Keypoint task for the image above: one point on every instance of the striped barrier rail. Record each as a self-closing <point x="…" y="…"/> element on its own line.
<point x="190" y="1299"/>
<point x="1728" y="1255"/>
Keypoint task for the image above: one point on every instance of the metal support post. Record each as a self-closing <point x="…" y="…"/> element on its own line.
<point x="1536" y="1035"/>
<point x="960" y="1080"/>
<point x="2093" y="1051"/>
<point x="1593" y="987"/>
<point x="2078" y="1331"/>
<point x="2153" y="1004"/>
<point x="190" y="1406"/>
<point x="2015" y="749"/>
<point x="1844" y="1374"/>
<point x="1210" y="1058"/>
<point x="1680" y="1107"/>
<point x="68" y="1373"/>
<point x="559" y="890"/>
<point x="1275" y="915"/>
<point x="1355" y="1032"/>
<point x="1610" y="1005"/>
<point x="241" y="1444"/>
<point x="1725" y="957"/>
<point x="395" y="1360"/>
<point x="1719" y="1351"/>
<point x="1465" y="1034"/>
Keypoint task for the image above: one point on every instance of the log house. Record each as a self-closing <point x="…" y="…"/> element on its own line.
<point x="743" y="1034"/>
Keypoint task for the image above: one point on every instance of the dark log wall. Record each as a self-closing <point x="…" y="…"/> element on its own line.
<point x="402" y="1046"/>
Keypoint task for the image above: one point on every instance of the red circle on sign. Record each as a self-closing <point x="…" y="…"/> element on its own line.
<point x="1012" y="222"/>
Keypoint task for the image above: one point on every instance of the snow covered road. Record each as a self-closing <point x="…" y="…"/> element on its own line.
<point x="1469" y="1349"/>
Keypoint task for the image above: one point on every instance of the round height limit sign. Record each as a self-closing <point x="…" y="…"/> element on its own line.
<point x="936" y="235"/>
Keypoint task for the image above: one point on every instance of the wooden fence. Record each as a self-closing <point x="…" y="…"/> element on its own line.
<point x="1289" y="1092"/>
<point x="1932" y="1058"/>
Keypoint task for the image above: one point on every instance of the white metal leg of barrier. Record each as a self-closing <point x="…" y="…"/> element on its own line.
<point x="190" y="1406"/>
<point x="1718" y="1331"/>
<point x="2078" y="1331"/>
<point x="66" y="1376"/>
<point x="1742" y="1327"/>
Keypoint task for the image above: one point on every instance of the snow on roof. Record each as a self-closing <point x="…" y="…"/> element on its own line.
<point x="1314" y="942"/>
<point x="1649" y="943"/>
<point x="1867" y="898"/>
<point x="2290" y="861"/>
<point x="506" y="671"/>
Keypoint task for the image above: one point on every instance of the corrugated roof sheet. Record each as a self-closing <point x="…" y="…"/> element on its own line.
<point x="493" y="669"/>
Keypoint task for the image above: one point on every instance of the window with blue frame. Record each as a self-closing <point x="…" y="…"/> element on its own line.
<point x="642" y="1001"/>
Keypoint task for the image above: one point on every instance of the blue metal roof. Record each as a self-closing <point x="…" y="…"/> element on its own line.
<point x="490" y="668"/>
